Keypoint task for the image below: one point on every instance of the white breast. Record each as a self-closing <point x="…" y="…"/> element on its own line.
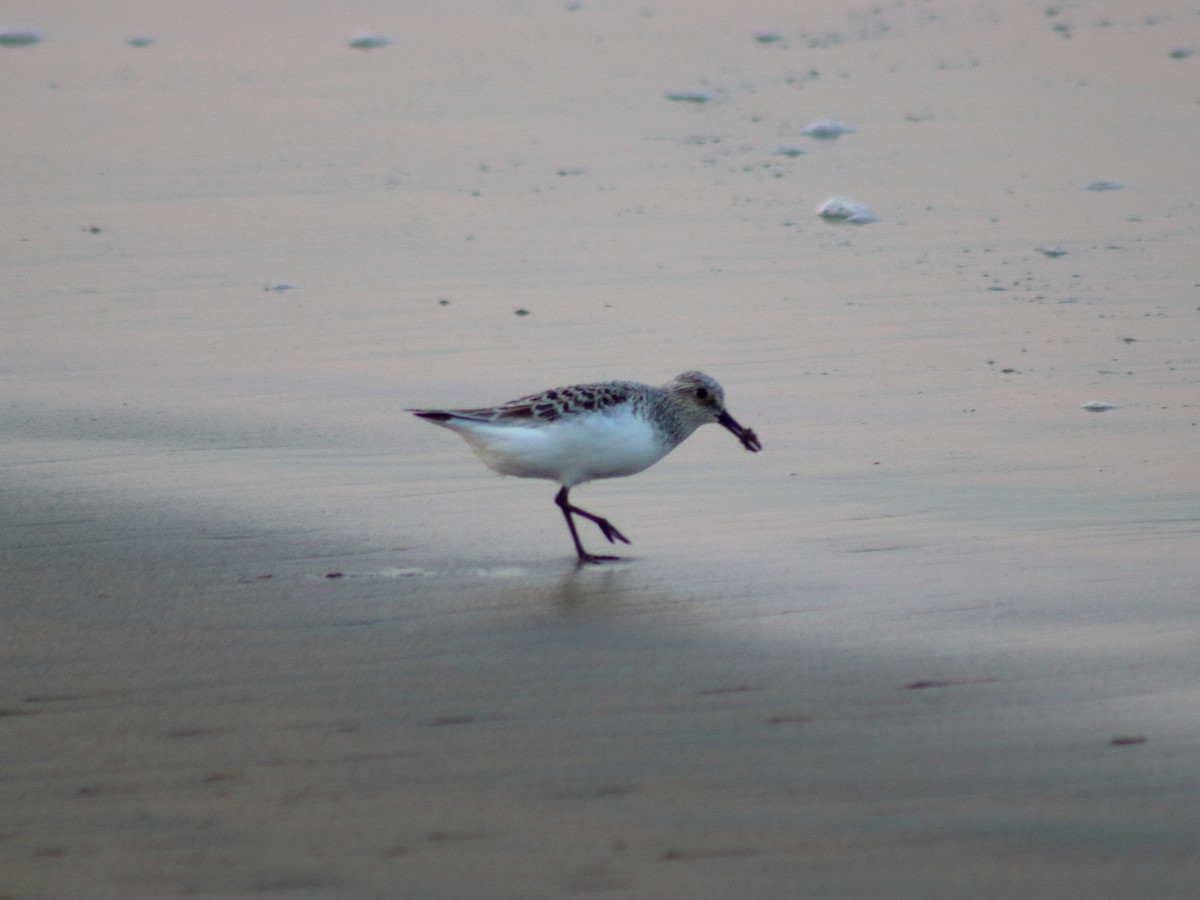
<point x="570" y="451"/>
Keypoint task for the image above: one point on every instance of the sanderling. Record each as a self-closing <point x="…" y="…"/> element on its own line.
<point x="574" y="434"/>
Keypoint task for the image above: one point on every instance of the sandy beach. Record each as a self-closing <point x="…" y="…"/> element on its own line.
<point x="262" y="632"/>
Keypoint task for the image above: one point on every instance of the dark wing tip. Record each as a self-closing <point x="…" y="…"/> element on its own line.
<point x="434" y="415"/>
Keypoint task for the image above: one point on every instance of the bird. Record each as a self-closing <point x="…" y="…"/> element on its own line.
<point x="584" y="432"/>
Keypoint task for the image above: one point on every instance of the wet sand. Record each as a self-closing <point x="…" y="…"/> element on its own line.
<point x="262" y="632"/>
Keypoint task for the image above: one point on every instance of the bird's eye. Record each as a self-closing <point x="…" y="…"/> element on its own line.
<point x="701" y="393"/>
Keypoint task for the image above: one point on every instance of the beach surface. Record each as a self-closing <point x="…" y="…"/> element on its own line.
<point x="262" y="632"/>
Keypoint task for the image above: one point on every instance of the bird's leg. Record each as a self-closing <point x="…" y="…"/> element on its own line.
<point x="607" y="528"/>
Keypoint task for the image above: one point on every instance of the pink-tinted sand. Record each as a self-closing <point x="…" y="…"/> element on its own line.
<point x="938" y="640"/>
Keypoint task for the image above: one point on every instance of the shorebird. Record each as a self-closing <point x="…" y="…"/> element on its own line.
<point x="583" y="432"/>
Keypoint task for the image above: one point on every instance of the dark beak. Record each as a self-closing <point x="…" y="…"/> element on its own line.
<point x="746" y="435"/>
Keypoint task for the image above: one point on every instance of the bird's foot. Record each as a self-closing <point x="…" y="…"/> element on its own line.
<point x="609" y="530"/>
<point x="595" y="560"/>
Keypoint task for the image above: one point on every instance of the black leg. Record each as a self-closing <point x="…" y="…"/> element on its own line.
<point x="607" y="528"/>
